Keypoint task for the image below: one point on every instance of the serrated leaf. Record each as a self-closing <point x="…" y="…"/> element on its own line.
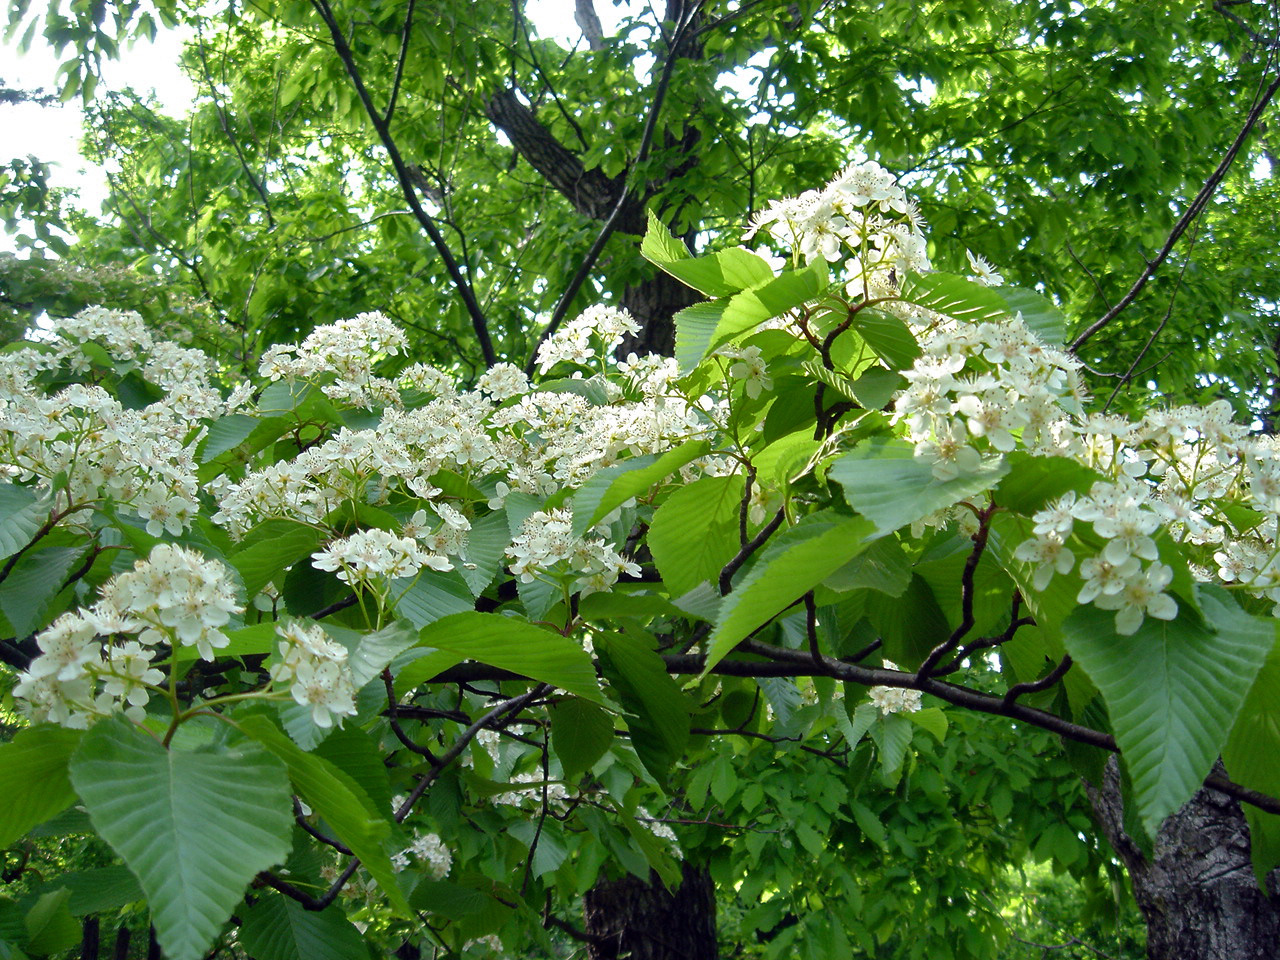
<point x="519" y="646"/>
<point x="278" y="928"/>
<point x="33" y="583"/>
<point x="581" y="733"/>
<point x="33" y="778"/>
<point x="868" y="823"/>
<point x="657" y="713"/>
<point x="887" y="484"/>
<point x="884" y="566"/>
<point x="1039" y="313"/>
<point x="195" y="828"/>
<point x="1172" y="691"/>
<point x="889" y="337"/>
<point x="375" y="650"/>
<point x="717" y="275"/>
<point x="101" y="889"/>
<point x="339" y="800"/>
<point x="614" y="486"/>
<point x="357" y="755"/>
<point x="953" y="296"/>
<point x="801" y="558"/>
<point x="270" y="547"/>
<point x="21" y="515"/>
<point x="931" y="719"/>
<point x="486" y="545"/>
<point x="433" y="594"/>
<point x="1251" y="749"/>
<point x="1033" y="481"/>
<point x="50" y="927"/>
<point x="695" y="532"/>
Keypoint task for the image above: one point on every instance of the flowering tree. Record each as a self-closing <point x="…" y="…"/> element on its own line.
<point x="354" y="644"/>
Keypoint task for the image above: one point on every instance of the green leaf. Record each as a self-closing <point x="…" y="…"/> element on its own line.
<point x="357" y="755"/>
<point x="1172" y="690"/>
<point x="614" y="486"/>
<point x="718" y="274"/>
<point x="893" y="342"/>
<point x="910" y="625"/>
<point x="953" y="296"/>
<point x="35" y="580"/>
<point x="33" y="778"/>
<point x="1039" y="313"/>
<point x="799" y="560"/>
<point x="278" y="928"/>
<point x="892" y="736"/>
<point x="869" y="823"/>
<point x="433" y="595"/>
<point x="225" y="434"/>
<point x="884" y="566"/>
<point x="1033" y="481"/>
<point x="885" y="483"/>
<point x="339" y="800"/>
<point x="657" y="712"/>
<point x="659" y="246"/>
<point x="195" y="828"/>
<point x="581" y="733"/>
<point x="270" y="547"/>
<point x="1251" y="749"/>
<point x="486" y="546"/>
<point x="695" y="532"/>
<point x="101" y="889"/>
<point x="519" y="646"/>
<point x="21" y="515"/>
<point x="50" y="927"/>
<point x="931" y="719"/>
<point x="703" y="327"/>
<point x="376" y="650"/>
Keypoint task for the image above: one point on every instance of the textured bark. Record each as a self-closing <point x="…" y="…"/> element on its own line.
<point x="592" y="193"/>
<point x="1197" y="891"/>
<point x="644" y="921"/>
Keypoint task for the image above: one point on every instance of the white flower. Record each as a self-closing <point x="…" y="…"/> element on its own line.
<point x="1142" y="594"/>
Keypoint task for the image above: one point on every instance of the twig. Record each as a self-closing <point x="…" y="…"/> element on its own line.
<point x="478" y="322"/>
<point x="606" y="230"/>
<point x="765" y="532"/>
<point x="1196" y="207"/>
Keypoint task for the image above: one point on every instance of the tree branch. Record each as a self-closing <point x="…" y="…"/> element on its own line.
<point x="1194" y="210"/>
<point x="478" y="322"/>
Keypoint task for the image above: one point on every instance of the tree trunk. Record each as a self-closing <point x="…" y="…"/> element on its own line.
<point x="1197" y="891"/>
<point x="629" y="918"/>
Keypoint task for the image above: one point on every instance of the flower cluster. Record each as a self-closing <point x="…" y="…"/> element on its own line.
<point x="339" y="357"/>
<point x="315" y="671"/>
<point x="174" y="597"/>
<point x="1125" y="575"/>
<point x="591" y="337"/>
<point x="368" y="554"/>
<point x="428" y="850"/>
<point x="862" y="218"/>
<point x="894" y="699"/>
<point x="546" y="548"/>
<point x="987" y="388"/>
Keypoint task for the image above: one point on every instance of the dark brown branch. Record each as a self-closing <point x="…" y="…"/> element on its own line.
<point x="1044" y="683"/>
<point x="478" y="322"/>
<point x="732" y="567"/>
<point x="966" y="597"/>
<point x="612" y="222"/>
<point x="1192" y="212"/>
<point x="400" y="61"/>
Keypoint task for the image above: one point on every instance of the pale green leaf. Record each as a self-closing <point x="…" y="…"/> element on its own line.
<point x="1172" y="691"/>
<point x="887" y="484"/>
<point x="21" y="515"/>
<point x="613" y="486"/>
<point x="195" y="828"/>
<point x="519" y="646"/>
<point x="800" y="559"/>
<point x="33" y="778"/>
<point x="695" y="532"/>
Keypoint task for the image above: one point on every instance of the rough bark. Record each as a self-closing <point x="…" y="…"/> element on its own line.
<point x="1197" y="890"/>
<point x="590" y="192"/>
<point x="630" y="918"/>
